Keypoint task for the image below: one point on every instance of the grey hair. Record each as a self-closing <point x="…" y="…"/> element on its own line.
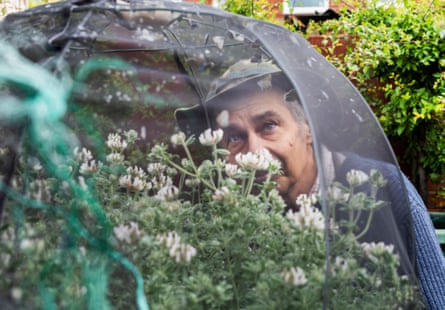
<point x="292" y="102"/>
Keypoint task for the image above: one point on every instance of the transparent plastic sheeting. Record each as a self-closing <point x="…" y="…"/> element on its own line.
<point x="114" y="193"/>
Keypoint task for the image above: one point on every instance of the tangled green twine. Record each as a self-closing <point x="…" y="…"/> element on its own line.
<point x="41" y="110"/>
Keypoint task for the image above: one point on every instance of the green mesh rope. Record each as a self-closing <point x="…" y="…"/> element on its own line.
<point x="41" y="110"/>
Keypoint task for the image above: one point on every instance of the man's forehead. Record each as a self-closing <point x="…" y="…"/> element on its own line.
<point x="224" y="119"/>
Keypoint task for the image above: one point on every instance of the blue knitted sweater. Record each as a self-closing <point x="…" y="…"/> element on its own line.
<point x="430" y="261"/>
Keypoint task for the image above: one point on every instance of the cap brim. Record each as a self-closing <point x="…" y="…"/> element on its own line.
<point x="192" y="120"/>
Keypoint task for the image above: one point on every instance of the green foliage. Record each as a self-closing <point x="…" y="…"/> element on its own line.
<point x="259" y="9"/>
<point x="397" y="60"/>
<point x="202" y="234"/>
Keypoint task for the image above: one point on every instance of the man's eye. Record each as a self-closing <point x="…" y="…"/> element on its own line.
<point x="234" y="139"/>
<point x="269" y="125"/>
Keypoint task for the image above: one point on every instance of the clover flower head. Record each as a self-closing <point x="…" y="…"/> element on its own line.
<point x="306" y="200"/>
<point x="294" y="276"/>
<point x="182" y="252"/>
<point x="89" y="167"/>
<point x="211" y="137"/>
<point x="84" y="155"/>
<point x="377" y="178"/>
<point x="134" y="183"/>
<point x="377" y="247"/>
<point x="171" y="171"/>
<point x="131" y="135"/>
<point x="16" y="293"/>
<point x="192" y="182"/>
<point x="115" y="158"/>
<point x="231" y="170"/>
<point x="178" y="138"/>
<point x="221" y="194"/>
<point x="259" y="160"/>
<point x="307" y="217"/>
<point x="127" y="233"/>
<point x="187" y="163"/>
<point x="356" y="177"/>
<point x="338" y="193"/>
<point x="155" y="168"/>
<point x="40" y="190"/>
<point x="168" y="193"/>
<point x="136" y="171"/>
<point x="374" y="250"/>
<point x="161" y="181"/>
<point x="341" y="264"/>
<point x="116" y="143"/>
<point x="30" y="244"/>
<point x="169" y="239"/>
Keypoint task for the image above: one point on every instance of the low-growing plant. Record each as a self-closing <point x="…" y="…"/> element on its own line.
<point x="203" y="235"/>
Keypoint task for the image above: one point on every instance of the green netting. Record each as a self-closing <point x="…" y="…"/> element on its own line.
<point x="67" y="247"/>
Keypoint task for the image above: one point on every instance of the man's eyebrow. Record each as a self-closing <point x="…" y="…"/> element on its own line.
<point x="267" y="114"/>
<point x="232" y="128"/>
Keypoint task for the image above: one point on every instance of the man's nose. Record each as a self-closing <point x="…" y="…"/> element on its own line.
<point x="254" y="143"/>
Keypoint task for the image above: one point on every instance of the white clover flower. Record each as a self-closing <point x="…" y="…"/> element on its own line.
<point x="180" y="251"/>
<point x="89" y="167"/>
<point x="192" y="182"/>
<point x="40" y="190"/>
<point x="341" y="264"/>
<point x="136" y="172"/>
<point x="377" y="247"/>
<point x="168" y="193"/>
<point x="37" y="166"/>
<point x="132" y="135"/>
<point x="250" y="161"/>
<point x="169" y="239"/>
<point x="294" y="276"/>
<point x="338" y="194"/>
<point x="356" y="177"/>
<point x="187" y="163"/>
<point x="171" y="171"/>
<point x="305" y="200"/>
<point x="133" y="183"/>
<point x="115" y="158"/>
<point x="231" y="170"/>
<point x="161" y="181"/>
<point x="374" y="250"/>
<point x="377" y="178"/>
<point x="16" y="293"/>
<point x="115" y="142"/>
<point x="27" y="244"/>
<point x="259" y="160"/>
<point x="211" y="137"/>
<point x="83" y="155"/>
<point x="221" y="194"/>
<point x="155" y="168"/>
<point x="127" y="233"/>
<point x="307" y="217"/>
<point x="139" y="184"/>
<point x="183" y="253"/>
<point x="178" y="138"/>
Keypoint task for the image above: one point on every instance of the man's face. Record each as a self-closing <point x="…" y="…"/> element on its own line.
<point x="263" y="121"/>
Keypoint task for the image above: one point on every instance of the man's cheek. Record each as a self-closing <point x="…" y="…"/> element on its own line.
<point x="283" y="184"/>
